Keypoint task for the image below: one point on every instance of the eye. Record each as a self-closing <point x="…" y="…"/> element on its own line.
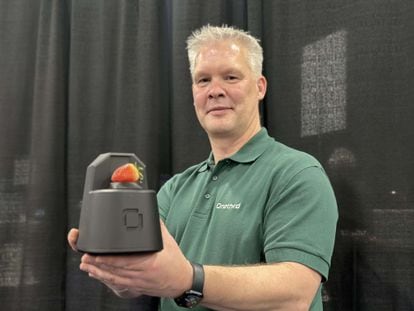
<point x="231" y="78"/>
<point x="202" y="80"/>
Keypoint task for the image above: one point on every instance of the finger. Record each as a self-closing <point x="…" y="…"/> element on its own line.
<point x="122" y="271"/>
<point x="89" y="259"/>
<point x="125" y="262"/>
<point x="73" y="238"/>
<point x="98" y="274"/>
<point x="132" y="273"/>
<point x="114" y="261"/>
<point x="120" y="291"/>
<point x="117" y="289"/>
<point x="136" y="283"/>
<point x="109" y="279"/>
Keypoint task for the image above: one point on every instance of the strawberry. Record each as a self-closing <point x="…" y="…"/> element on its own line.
<point x="127" y="173"/>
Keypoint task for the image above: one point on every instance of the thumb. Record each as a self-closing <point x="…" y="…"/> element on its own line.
<point x="73" y="238"/>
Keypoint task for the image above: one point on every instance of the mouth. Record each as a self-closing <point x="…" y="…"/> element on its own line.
<point x="218" y="109"/>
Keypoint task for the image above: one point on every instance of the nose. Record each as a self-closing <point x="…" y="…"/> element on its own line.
<point x="215" y="90"/>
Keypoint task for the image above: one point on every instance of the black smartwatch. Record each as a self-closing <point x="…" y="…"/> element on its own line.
<point x="192" y="297"/>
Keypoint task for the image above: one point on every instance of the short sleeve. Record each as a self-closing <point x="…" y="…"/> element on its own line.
<point x="300" y="221"/>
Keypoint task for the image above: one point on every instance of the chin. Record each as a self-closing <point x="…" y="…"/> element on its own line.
<point x="219" y="132"/>
<point x="217" y="126"/>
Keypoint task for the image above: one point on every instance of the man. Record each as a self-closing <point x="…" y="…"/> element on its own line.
<point x="250" y="228"/>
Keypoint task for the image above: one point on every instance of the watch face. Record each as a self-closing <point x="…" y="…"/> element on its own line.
<point x="190" y="299"/>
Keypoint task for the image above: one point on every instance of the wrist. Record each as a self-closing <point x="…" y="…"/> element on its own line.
<point x="188" y="276"/>
<point x="192" y="297"/>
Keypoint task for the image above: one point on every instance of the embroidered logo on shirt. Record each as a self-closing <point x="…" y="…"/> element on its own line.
<point x="228" y="205"/>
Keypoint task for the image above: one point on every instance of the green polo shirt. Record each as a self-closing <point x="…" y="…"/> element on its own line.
<point x="266" y="203"/>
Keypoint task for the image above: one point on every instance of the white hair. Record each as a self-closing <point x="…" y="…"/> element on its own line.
<point x="209" y="34"/>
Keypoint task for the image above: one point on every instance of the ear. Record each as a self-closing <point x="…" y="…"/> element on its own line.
<point x="261" y="87"/>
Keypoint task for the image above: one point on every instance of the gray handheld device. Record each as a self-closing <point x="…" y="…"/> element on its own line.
<point x="117" y="219"/>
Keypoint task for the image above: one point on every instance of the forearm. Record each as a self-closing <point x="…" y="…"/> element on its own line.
<point x="285" y="286"/>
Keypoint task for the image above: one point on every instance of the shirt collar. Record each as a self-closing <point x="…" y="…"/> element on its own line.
<point x="207" y="163"/>
<point x="253" y="149"/>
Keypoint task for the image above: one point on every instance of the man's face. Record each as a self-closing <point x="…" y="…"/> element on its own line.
<point x="226" y="92"/>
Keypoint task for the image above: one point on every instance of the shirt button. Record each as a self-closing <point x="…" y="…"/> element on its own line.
<point x="207" y="195"/>
<point x="215" y="177"/>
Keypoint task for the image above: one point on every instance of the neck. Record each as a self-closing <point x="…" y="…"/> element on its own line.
<point x="225" y="146"/>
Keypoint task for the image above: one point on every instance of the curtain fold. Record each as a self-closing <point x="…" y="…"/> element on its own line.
<point x="33" y="154"/>
<point x="83" y="77"/>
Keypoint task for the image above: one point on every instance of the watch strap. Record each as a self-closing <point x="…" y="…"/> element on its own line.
<point x="193" y="296"/>
<point x="198" y="277"/>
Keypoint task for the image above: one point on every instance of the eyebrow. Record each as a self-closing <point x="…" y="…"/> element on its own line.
<point x="225" y="71"/>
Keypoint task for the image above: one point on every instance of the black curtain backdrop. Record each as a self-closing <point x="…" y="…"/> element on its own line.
<point x="83" y="77"/>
